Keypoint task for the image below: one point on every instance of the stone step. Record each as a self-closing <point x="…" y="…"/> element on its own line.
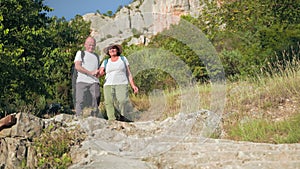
<point x="220" y="145"/>
<point x="236" y="147"/>
<point x="234" y="164"/>
<point x="219" y="156"/>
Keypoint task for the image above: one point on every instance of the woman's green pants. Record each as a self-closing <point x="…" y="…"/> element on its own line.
<point x="115" y="96"/>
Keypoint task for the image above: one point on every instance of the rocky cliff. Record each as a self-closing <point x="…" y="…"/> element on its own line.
<point x="139" y="20"/>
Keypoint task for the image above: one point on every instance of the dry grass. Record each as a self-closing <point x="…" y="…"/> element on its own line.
<point x="254" y="102"/>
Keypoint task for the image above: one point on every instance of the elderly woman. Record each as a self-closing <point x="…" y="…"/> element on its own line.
<point x="115" y="88"/>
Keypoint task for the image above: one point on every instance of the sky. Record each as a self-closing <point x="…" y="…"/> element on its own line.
<point x="70" y="8"/>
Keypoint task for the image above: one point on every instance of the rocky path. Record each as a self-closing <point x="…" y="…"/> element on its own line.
<point x="215" y="153"/>
<point x="174" y="144"/>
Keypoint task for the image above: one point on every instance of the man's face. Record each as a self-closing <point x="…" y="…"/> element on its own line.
<point x="90" y="45"/>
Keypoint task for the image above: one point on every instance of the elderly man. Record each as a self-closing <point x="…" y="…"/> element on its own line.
<point x="87" y="83"/>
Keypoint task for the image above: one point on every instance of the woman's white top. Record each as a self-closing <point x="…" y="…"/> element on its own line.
<point x="116" y="72"/>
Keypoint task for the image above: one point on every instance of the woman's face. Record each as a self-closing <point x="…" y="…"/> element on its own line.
<point x="113" y="51"/>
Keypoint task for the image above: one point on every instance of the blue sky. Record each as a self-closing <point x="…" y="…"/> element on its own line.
<point x="70" y="8"/>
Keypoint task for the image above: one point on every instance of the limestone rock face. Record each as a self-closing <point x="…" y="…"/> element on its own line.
<point x="16" y="142"/>
<point x="139" y="20"/>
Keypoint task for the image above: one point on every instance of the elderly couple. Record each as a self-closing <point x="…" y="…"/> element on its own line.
<point x="115" y="89"/>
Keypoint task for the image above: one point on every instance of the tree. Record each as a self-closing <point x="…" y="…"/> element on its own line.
<point x="36" y="53"/>
<point x="20" y="31"/>
<point x="264" y="28"/>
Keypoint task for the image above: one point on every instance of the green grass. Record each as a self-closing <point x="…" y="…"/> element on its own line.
<point x="261" y="130"/>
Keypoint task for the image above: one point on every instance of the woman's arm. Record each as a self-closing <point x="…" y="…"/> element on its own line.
<point x="131" y="81"/>
<point x="101" y="71"/>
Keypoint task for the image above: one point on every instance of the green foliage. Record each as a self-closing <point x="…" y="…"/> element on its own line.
<point x="136" y="33"/>
<point x="256" y="29"/>
<point x="156" y="68"/>
<point x="108" y="13"/>
<point x="147" y="76"/>
<point x="20" y="30"/>
<point x="270" y="29"/>
<point x="174" y="58"/>
<point x="183" y="52"/>
<point x="36" y="54"/>
<point x="233" y="61"/>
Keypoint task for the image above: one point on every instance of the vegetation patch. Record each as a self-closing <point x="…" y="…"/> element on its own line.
<point x="54" y="144"/>
<point x="261" y="130"/>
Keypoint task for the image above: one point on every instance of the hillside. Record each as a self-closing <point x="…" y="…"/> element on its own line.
<point x="139" y="21"/>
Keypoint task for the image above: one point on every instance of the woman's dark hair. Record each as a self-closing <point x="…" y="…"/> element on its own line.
<point x="118" y="47"/>
<point x="118" y="50"/>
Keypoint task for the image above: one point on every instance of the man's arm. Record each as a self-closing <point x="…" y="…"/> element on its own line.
<point x="81" y="69"/>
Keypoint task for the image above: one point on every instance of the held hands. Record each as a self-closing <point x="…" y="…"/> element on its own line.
<point x="100" y="72"/>
<point x="97" y="73"/>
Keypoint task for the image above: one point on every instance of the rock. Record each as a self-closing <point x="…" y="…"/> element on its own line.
<point x="8" y="121"/>
<point x="139" y="21"/>
<point x="16" y="142"/>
